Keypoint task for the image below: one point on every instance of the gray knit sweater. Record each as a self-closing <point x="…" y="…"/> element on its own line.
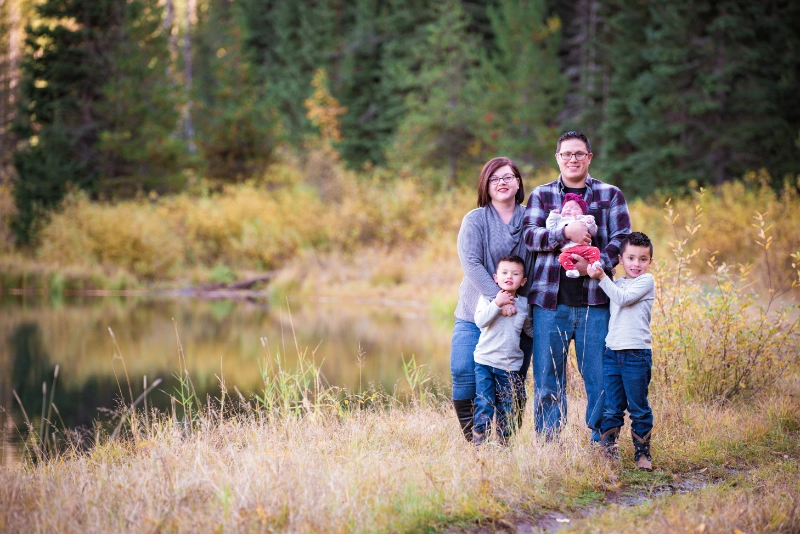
<point x="483" y="239"/>
<point x="631" y="303"/>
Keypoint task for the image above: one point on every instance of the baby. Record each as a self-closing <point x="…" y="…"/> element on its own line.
<point x="574" y="209"/>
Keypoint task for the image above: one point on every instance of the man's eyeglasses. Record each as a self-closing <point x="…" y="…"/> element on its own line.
<point x="507" y="179"/>
<point x="579" y="156"/>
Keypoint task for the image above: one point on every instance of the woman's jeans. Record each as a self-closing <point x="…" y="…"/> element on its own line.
<point x="462" y="360"/>
<point x="496" y="392"/>
<point x="626" y="376"/>
<point x="552" y="332"/>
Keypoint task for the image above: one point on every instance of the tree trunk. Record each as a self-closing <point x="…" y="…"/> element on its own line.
<point x="9" y="81"/>
<point x="191" y="7"/>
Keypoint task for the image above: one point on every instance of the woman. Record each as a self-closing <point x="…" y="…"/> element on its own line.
<point x="487" y="233"/>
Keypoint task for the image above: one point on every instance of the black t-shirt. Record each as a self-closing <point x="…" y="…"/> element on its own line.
<point x="570" y="290"/>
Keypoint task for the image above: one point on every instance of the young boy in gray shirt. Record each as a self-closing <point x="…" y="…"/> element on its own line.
<point x="498" y="356"/>
<point x="628" y="358"/>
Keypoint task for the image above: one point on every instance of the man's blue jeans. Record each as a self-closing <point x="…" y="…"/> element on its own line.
<point x="552" y="332"/>
<point x="626" y="377"/>
<point x="462" y="359"/>
<point x="496" y="391"/>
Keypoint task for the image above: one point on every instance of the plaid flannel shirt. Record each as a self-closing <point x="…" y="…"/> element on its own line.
<point x="610" y="211"/>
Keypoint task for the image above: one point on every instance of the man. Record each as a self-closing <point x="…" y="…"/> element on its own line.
<point x="563" y="308"/>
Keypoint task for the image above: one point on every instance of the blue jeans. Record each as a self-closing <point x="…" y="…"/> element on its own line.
<point x="552" y="332"/>
<point x="626" y="377"/>
<point x="496" y="391"/>
<point x="462" y="359"/>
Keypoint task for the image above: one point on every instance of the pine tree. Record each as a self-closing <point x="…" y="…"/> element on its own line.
<point x="139" y="109"/>
<point x="378" y="42"/>
<point x="236" y="125"/>
<point x="523" y="87"/>
<point x="13" y="17"/>
<point x="287" y="42"/>
<point x="93" y="112"/>
<point x="697" y="92"/>
<point x="439" y="129"/>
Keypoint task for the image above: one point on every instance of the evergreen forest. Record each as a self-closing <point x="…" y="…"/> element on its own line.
<point x="120" y="98"/>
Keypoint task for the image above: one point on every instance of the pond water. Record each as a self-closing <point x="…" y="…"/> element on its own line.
<point x="220" y="338"/>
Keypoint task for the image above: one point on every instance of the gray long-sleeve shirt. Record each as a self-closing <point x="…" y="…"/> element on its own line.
<point x="498" y="345"/>
<point x="482" y="240"/>
<point x="631" y="303"/>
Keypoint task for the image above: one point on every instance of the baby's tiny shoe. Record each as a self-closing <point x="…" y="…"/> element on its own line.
<point x="573" y="273"/>
<point x="597" y="265"/>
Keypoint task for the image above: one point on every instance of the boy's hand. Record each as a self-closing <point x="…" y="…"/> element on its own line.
<point x="590" y="219"/>
<point x="503" y="298"/>
<point x="508" y="310"/>
<point x="595" y="271"/>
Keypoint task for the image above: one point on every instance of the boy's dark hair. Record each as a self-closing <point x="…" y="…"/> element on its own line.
<point x="637" y="239"/>
<point x="513" y="258"/>
<point x="574" y="135"/>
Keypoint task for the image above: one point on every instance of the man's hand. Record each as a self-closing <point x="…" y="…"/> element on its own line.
<point x="578" y="232"/>
<point x="581" y="264"/>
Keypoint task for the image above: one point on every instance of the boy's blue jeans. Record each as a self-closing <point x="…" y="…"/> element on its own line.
<point x="462" y="359"/>
<point x="495" y="392"/>
<point x="626" y="376"/>
<point x="552" y="332"/>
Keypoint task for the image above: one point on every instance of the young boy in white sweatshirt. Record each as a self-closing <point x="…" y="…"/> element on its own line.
<point x="498" y="357"/>
<point x="628" y="358"/>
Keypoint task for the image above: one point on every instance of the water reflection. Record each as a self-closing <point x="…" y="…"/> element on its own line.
<point x="219" y="339"/>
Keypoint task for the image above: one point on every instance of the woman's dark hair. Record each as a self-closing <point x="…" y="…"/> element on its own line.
<point x="488" y="170"/>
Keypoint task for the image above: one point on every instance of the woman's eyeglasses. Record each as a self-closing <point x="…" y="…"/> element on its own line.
<point x="507" y="179"/>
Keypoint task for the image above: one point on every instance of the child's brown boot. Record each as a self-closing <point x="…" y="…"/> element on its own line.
<point x="641" y="446"/>
<point x="608" y="443"/>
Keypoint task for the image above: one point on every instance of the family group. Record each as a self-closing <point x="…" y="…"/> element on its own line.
<point x="538" y="277"/>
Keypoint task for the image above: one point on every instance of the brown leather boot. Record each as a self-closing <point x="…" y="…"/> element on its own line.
<point x="465" y="411"/>
<point x="641" y="446"/>
<point x="608" y="443"/>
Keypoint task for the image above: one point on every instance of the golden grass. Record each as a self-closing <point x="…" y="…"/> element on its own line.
<point x="399" y="469"/>
<point x="764" y="499"/>
<point x="309" y="215"/>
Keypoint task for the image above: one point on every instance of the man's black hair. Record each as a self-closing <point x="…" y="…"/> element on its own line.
<point x="574" y="135"/>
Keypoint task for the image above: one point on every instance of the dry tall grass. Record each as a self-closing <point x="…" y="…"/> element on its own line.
<point x="400" y="468"/>
<point x="302" y="456"/>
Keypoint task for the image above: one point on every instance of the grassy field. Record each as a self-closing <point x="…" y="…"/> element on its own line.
<point x="303" y="459"/>
<point x="302" y="456"/>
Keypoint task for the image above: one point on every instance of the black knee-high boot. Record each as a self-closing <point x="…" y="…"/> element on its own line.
<point x="465" y="411"/>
